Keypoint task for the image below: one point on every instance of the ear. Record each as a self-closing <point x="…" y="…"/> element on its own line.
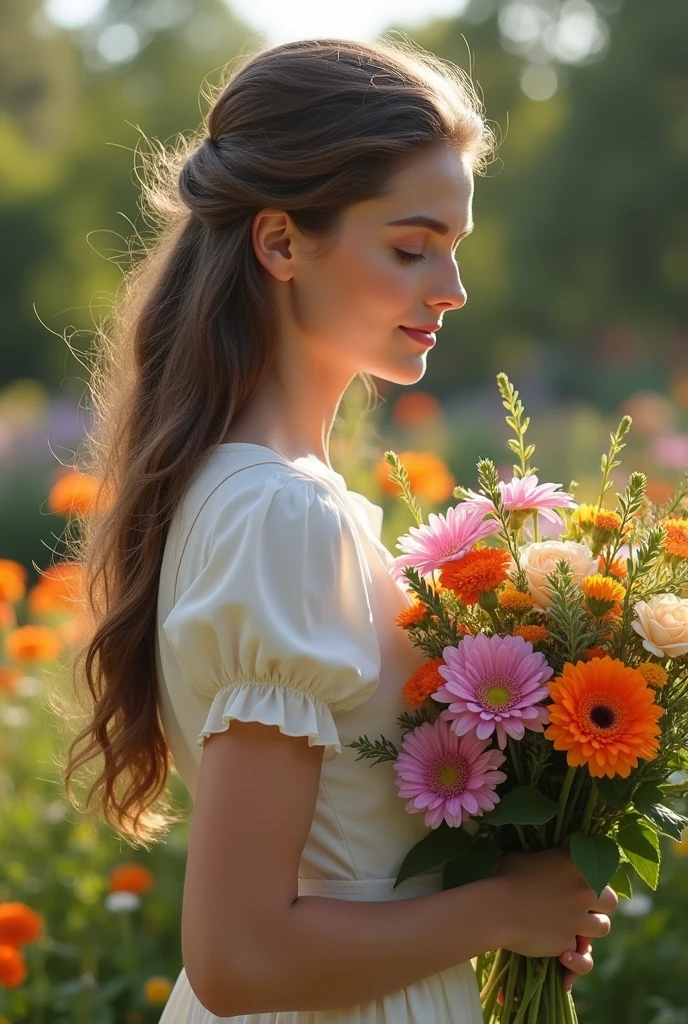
<point x="273" y="236"/>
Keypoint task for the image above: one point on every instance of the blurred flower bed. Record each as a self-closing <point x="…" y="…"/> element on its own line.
<point x="90" y="929"/>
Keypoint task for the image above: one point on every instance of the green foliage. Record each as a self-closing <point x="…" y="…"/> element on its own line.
<point x="523" y="805"/>
<point x="441" y="844"/>
<point x="596" y="857"/>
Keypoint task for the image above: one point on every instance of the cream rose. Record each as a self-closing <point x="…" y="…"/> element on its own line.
<point x="539" y="560"/>
<point x="662" y="622"/>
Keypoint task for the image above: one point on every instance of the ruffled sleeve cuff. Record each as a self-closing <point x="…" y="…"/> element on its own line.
<point x="294" y="711"/>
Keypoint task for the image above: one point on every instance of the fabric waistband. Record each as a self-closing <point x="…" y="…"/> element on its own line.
<point x="370" y="889"/>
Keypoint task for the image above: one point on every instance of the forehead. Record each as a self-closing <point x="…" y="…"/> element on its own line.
<point x="437" y="183"/>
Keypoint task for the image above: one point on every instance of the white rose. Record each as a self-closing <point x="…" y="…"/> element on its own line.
<point x="539" y="560"/>
<point x="662" y="622"/>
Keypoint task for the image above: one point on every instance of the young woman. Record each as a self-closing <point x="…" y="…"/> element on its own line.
<point x="243" y="608"/>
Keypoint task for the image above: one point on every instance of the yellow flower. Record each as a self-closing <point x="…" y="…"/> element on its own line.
<point x="584" y="515"/>
<point x="157" y="990"/>
<point x="607" y="520"/>
<point x="602" y="593"/>
<point x="514" y="600"/>
<point x="654" y="675"/>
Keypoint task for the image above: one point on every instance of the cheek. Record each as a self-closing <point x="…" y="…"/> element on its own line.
<point x="370" y="285"/>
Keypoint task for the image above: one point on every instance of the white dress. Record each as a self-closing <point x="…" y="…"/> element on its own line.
<point x="276" y="605"/>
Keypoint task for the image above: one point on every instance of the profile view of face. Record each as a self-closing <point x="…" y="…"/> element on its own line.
<point x="344" y="309"/>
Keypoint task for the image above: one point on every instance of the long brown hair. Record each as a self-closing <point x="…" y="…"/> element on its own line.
<point x="309" y="127"/>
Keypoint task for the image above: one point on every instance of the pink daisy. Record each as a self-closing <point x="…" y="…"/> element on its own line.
<point x="526" y="494"/>
<point x="443" y="539"/>
<point x="493" y="684"/>
<point x="449" y="777"/>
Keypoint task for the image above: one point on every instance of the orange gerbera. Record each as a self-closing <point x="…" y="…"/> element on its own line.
<point x="12" y="967"/>
<point x="676" y="542"/>
<point x="424" y="681"/>
<point x="476" y="573"/>
<point x="533" y="634"/>
<point x="428" y="476"/>
<point x="131" y="878"/>
<point x="604" y="716"/>
<point x="13" y="577"/>
<point x="19" y="924"/>
<point x="33" y="643"/>
<point x="412" y="615"/>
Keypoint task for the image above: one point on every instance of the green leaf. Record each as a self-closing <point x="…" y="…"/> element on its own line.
<point x="647" y="800"/>
<point x="621" y="881"/>
<point x="617" y="791"/>
<point x="442" y="844"/>
<point x="596" y="857"/>
<point x="478" y="862"/>
<point x="523" y="805"/>
<point x="641" y="845"/>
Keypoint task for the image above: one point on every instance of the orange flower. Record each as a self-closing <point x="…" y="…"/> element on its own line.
<point x="603" y="715"/>
<point x="413" y="614"/>
<point x="58" y="590"/>
<point x="654" y="675"/>
<point x="476" y="573"/>
<point x="415" y="407"/>
<point x="676" y="542"/>
<point x="8" y="616"/>
<point x="514" y="600"/>
<point x="157" y="990"/>
<point x="33" y="643"/>
<point x="12" y="967"/>
<point x="428" y="476"/>
<point x="659" y="491"/>
<point x="617" y="568"/>
<point x="533" y="634"/>
<point x="19" y="924"/>
<point x="424" y="681"/>
<point x="13" y="577"/>
<point x="9" y="675"/>
<point x="594" y="652"/>
<point x="131" y="878"/>
<point x="605" y="519"/>
<point x="75" y="493"/>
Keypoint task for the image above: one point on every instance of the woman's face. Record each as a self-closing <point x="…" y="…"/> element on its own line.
<point x="347" y="306"/>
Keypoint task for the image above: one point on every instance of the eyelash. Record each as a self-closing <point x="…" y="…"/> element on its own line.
<point x="411" y="257"/>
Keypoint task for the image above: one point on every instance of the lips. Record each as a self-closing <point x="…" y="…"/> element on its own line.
<point x="422" y="336"/>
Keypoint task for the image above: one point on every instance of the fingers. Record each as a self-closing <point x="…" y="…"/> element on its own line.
<point x="608" y="901"/>
<point x="578" y="962"/>
<point x="596" y="926"/>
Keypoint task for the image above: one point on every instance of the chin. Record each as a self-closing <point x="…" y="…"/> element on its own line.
<point x="410" y="373"/>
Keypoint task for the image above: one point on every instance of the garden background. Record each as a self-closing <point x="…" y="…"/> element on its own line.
<point x="577" y="276"/>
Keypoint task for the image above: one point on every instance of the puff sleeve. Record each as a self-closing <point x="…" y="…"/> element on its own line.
<point x="277" y="627"/>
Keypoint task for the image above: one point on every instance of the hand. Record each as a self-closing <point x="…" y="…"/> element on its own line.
<point x="580" y="962"/>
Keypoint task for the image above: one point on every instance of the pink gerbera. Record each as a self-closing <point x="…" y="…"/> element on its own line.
<point x="443" y="539"/>
<point x="450" y="777"/>
<point x="494" y="684"/>
<point x="526" y="494"/>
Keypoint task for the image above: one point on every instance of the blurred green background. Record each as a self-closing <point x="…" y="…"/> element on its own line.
<point x="577" y="276"/>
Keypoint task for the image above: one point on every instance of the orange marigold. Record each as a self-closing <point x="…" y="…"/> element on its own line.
<point x="617" y="568"/>
<point x="13" y="577"/>
<point x="476" y="573"/>
<point x="33" y="643"/>
<point x="654" y="675"/>
<point x="603" y="588"/>
<point x="131" y="878"/>
<point x="533" y="634"/>
<point x="12" y="967"/>
<point x="412" y="615"/>
<point x="604" y="716"/>
<point x="605" y="519"/>
<point x="19" y="924"/>
<point x="424" y="681"/>
<point x="428" y="476"/>
<point x="514" y="600"/>
<point x="75" y="493"/>
<point x="676" y="542"/>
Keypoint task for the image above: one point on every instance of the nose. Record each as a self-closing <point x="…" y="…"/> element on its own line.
<point x="451" y="294"/>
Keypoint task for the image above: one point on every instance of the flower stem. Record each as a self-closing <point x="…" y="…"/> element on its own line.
<point x="563" y="797"/>
<point x="590" y="806"/>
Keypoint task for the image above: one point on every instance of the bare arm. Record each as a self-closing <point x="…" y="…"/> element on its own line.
<point x="250" y="945"/>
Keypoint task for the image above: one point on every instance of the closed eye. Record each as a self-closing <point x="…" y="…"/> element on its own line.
<point x="410" y="257"/>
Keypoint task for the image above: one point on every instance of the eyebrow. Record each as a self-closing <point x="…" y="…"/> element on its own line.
<point x="420" y="221"/>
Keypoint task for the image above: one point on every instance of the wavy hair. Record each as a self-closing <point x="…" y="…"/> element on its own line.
<point x="309" y="127"/>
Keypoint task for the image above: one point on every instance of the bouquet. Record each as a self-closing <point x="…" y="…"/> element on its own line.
<point x="552" y="708"/>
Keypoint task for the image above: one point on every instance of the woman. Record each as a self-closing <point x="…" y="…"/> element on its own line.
<point x="248" y="629"/>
